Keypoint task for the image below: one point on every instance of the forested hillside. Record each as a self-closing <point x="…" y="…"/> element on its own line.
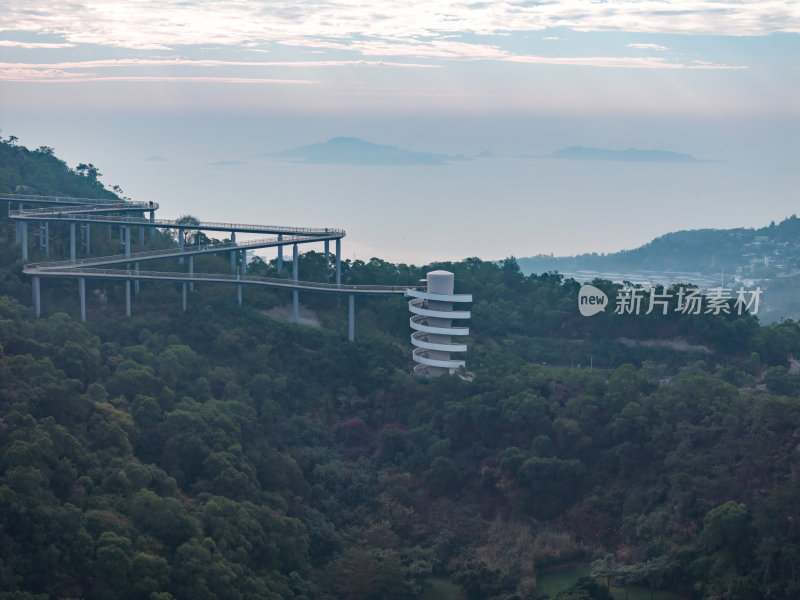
<point x="767" y="257"/>
<point x="740" y="250"/>
<point x="219" y="453"/>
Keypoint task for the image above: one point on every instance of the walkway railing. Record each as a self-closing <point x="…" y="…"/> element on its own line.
<point x="173" y="252"/>
<point x="83" y="217"/>
<point x="341" y="288"/>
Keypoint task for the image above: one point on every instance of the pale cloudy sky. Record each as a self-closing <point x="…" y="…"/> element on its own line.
<point x="719" y="79"/>
<point x="335" y="55"/>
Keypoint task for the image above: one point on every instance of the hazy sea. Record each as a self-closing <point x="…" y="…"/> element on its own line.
<point x="487" y="207"/>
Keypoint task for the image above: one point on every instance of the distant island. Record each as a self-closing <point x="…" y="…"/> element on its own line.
<point x="629" y="155"/>
<point x="354" y="151"/>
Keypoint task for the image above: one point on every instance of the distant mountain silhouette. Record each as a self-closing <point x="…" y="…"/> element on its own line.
<point x="353" y="151"/>
<point x="629" y="155"/>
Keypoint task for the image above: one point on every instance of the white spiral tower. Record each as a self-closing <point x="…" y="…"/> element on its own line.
<point x="432" y="321"/>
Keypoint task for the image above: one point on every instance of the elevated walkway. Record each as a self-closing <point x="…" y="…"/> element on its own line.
<point x="89" y="211"/>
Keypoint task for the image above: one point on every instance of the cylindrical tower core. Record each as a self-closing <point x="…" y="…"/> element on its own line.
<point x="433" y="325"/>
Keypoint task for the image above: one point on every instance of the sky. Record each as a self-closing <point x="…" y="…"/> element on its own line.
<point x="183" y="101"/>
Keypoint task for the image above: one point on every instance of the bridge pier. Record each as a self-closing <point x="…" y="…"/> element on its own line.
<point x="24" y="240"/>
<point x="72" y="242"/>
<point x="44" y="237"/>
<point x="127" y="241"/>
<point x="152" y="220"/>
<point x="233" y="253"/>
<point x="351" y="322"/>
<point x="18" y="237"/>
<point x="183" y="296"/>
<point x="136" y="281"/>
<point x="82" y="296"/>
<point x="127" y="297"/>
<point x="180" y="245"/>
<point x="338" y="262"/>
<point x="241" y="274"/>
<point x="86" y="234"/>
<point x="338" y="269"/>
<point x="295" y="293"/>
<point x="37" y="296"/>
<point x="327" y="261"/>
<point x="191" y="273"/>
<point x="280" y="254"/>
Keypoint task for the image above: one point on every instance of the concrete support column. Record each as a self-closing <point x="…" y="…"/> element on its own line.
<point x="87" y="236"/>
<point x="19" y="224"/>
<point x="233" y="253"/>
<point x="127" y="241"/>
<point x="191" y="273"/>
<point x="244" y="263"/>
<point x="82" y="296"/>
<point x="24" y="240"/>
<point x="152" y="219"/>
<point x="37" y="297"/>
<point x="72" y="242"/>
<point x="183" y="296"/>
<point x="136" y="281"/>
<point x="351" y="323"/>
<point x="122" y="235"/>
<point x="338" y="262"/>
<point x="327" y="261"/>
<point x="280" y="255"/>
<point x="239" y="294"/>
<point x="295" y="293"/>
<point x="180" y="245"/>
<point x="127" y="297"/>
<point x="47" y="238"/>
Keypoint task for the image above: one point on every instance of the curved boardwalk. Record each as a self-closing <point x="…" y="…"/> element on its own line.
<point x="85" y="212"/>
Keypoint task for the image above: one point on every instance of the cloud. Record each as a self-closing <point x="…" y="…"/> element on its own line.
<point x="88" y="70"/>
<point x="188" y="62"/>
<point x="620" y="62"/>
<point x="23" y="73"/>
<point x="161" y="24"/>
<point x="57" y="75"/>
<point x="657" y="47"/>
<point x="17" y="44"/>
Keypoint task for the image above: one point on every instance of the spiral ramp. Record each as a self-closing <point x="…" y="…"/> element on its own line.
<point x="432" y="322"/>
